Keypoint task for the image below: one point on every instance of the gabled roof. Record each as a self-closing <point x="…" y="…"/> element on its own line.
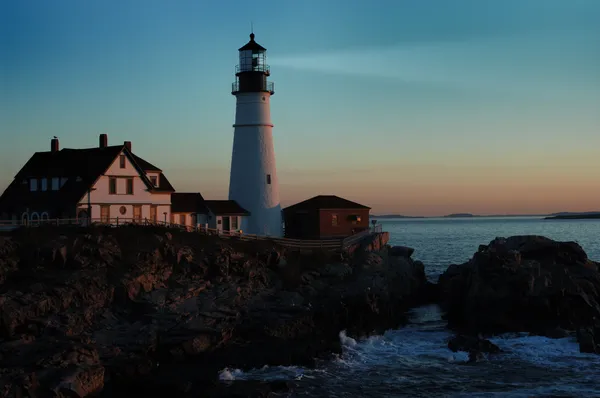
<point x="163" y="183"/>
<point x="226" y="208"/>
<point x="188" y="202"/>
<point x="252" y="45"/>
<point x="326" y="202"/>
<point x="147" y="166"/>
<point x="81" y="167"/>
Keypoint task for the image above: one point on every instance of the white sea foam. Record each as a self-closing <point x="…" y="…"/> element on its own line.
<point x="416" y="358"/>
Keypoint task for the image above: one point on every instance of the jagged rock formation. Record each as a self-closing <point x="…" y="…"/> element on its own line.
<point x="141" y="310"/>
<point x="525" y="284"/>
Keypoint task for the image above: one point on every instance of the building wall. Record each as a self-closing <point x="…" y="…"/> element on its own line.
<point x="201" y="219"/>
<point x="216" y="222"/>
<point x="345" y="226"/>
<point x="127" y="215"/>
<point x="253" y="180"/>
<point x="302" y="224"/>
<point x="141" y="196"/>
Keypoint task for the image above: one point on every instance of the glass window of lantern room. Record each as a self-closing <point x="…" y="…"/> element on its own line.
<point x="258" y="60"/>
<point x="245" y="60"/>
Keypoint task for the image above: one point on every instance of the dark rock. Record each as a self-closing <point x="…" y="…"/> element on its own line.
<point x="135" y="310"/>
<point x="522" y="284"/>
<point x="589" y="340"/>
<point x="401" y="251"/>
<point x="472" y="343"/>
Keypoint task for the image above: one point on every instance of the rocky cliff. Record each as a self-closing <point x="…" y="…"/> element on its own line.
<point x="135" y="311"/>
<point x="525" y="284"/>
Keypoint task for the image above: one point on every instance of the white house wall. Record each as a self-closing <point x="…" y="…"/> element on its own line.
<point x="141" y="196"/>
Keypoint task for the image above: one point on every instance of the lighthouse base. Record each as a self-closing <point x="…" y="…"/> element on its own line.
<point x="264" y="222"/>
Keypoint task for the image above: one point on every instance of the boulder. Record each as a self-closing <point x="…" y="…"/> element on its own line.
<point x="522" y="284"/>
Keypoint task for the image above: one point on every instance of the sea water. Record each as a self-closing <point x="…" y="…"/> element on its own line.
<point x="414" y="361"/>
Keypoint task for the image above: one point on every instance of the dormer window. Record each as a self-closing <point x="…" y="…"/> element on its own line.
<point x="154" y="180"/>
<point x="122" y="162"/>
<point x="44" y="184"/>
<point x="55" y="183"/>
<point x="33" y="184"/>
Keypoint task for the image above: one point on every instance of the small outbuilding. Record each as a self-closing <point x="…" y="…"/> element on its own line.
<point x="325" y="217"/>
<point x="191" y="209"/>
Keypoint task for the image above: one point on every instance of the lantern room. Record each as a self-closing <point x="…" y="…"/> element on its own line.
<point x="253" y="58"/>
<point x="252" y="71"/>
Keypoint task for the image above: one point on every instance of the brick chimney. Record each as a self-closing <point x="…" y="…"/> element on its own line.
<point x="103" y="141"/>
<point x="54" y="147"/>
<point x="127" y="145"/>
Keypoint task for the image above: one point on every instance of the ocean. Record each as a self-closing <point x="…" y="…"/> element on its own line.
<point x="414" y="361"/>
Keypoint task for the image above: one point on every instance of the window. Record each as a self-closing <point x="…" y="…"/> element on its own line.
<point x="44" y="184"/>
<point x="55" y="182"/>
<point x="334" y="220"/>
<point x="112" y="186"/>
<point x="182" y="219"/>
<point x="234" y="222"/>
<point x="33" y="183"/>
<point x="130" y="186"/>
<point x="154" y="180"/>
<point x="122" y="162"/>
<point x="268" y="178"/>
<point x="355" y="219"/>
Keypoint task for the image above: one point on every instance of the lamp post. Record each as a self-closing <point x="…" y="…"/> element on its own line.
<point x="374" y="222"/>
<point x="165" y="214"/>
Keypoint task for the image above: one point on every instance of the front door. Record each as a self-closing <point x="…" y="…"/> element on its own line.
<point x="137" y="213"/>
<point x="105" y="214"/>
<point x="153" y="214"/>
<point x="226" y="224"/>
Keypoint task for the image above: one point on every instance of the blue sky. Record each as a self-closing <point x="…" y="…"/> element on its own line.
<point x="416" y="107"/>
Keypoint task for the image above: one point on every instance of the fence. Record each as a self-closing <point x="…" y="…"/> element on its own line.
<point x="325" y="244"/>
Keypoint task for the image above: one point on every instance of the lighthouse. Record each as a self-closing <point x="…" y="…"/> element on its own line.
<point x="253" y="178"/>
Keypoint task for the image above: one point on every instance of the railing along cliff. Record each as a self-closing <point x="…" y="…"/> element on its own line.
<point x="308" y="244"/>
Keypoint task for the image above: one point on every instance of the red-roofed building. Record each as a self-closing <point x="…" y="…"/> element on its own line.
<point x="325" y="216"/>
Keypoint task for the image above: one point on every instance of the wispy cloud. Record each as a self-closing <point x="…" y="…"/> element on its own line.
<point x="545" y="62"/>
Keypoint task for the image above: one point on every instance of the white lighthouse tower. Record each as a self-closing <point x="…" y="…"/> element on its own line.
<point x="253" y="181"/>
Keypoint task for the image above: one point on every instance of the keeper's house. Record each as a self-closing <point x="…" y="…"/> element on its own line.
<point x="324" y="217"/>
<point x="108" y="184"/>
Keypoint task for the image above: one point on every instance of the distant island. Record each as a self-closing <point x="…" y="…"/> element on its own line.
<point x="574" y="216"/>
<point x="458" y="215"/>
<point x="552" y="216"/>
<point x="396" y="216"/>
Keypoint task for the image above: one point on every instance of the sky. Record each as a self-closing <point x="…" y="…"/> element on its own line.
<point x="415" y="107"/>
